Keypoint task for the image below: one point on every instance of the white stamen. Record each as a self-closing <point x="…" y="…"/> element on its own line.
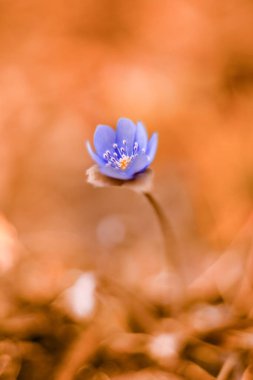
<point x="126" y="150"/>
<point x="136" y="145"/>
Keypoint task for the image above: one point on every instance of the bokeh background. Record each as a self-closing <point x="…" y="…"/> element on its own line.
<point x="185" y="68"/>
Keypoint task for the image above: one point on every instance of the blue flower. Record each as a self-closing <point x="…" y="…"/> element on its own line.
<point x="125" y="152"/>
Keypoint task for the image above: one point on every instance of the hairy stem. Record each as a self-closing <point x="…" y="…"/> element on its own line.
<point x="170" y="244"/>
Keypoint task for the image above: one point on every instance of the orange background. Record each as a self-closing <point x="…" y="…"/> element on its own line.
<point x="185" y="68"/>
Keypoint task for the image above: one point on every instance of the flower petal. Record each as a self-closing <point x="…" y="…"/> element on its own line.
<point x="104" y="138"/>
<point x="126" y="130"/>
<point x="152" y="147"/>
<point x="139" y="164"/>
<point x="141" y="136"/>
<point x="94" y="156"/>
<point x="114" y="173"/>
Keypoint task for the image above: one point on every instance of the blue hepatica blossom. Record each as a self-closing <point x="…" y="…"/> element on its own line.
<point x="125" y="152"/>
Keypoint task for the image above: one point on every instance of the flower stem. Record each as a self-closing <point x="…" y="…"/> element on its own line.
<point x="170" y="243"/>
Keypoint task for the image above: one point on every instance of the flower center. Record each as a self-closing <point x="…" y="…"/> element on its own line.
<point x="124" y="162"/>
<point x="120" y="157"/>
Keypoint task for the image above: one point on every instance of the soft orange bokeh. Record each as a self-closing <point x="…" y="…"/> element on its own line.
<point x="185" y="68"/>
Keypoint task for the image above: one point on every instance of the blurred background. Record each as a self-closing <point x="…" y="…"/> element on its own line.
<point x="184" y="68"/>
